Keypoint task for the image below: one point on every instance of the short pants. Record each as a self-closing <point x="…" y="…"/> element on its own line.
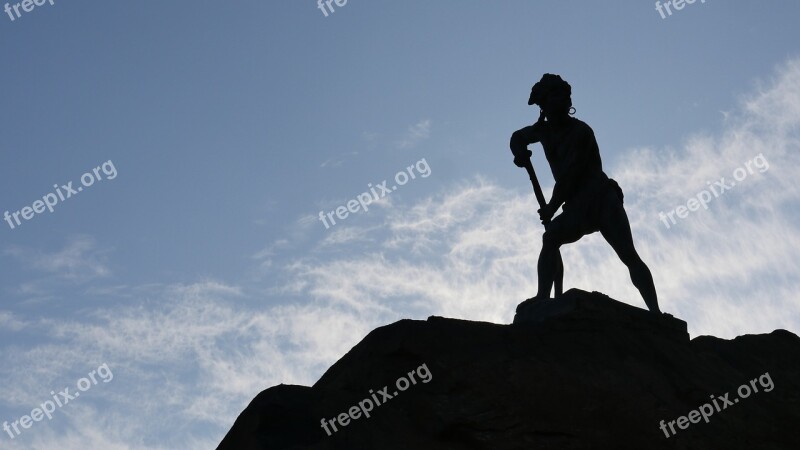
<point x="595" y="208"/>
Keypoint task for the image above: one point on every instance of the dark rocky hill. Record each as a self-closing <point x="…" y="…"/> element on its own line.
<point x="583" y="372"/>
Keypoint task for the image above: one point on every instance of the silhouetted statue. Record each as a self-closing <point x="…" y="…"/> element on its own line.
<point x="591" y="201"/>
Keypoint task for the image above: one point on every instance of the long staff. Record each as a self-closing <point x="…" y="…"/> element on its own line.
<point x="537" y="190"/>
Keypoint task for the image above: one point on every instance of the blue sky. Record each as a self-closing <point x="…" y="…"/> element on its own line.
<point x="201" y="273"/>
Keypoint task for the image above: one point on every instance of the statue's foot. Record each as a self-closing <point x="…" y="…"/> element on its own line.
<point x="530" y="301"/>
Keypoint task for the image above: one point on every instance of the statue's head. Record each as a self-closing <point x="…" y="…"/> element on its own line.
<point x="553" y="95"/>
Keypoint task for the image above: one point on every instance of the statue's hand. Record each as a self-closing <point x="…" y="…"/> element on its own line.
<point x="546" y="213"/>
<point x="521" y="159"/>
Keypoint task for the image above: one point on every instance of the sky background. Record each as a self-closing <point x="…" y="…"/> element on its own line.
<point x="201" y="274"/>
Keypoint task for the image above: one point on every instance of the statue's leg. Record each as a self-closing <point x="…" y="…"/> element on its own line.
<point x="547" y="266"/>
<point x="564" y="229"/>
<point x="559" y="277"/>
<point x="616" y="229"/>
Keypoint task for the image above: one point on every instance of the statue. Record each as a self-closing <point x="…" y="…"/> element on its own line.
<point x="589" y="199"/>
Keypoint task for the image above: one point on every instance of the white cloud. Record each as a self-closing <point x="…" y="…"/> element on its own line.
<point x="192" y="356"/>
<point x="8" y="321"/>
<point x="347" y="235"/>
<point x="337" y="161"/>
<point x="79" y="260"/>
<point x="415" y="133"/>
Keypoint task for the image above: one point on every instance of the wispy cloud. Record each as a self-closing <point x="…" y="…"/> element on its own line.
<point x="271" y="249"/>
<point x="8" y="321"/>
<point x="337" y="161"/>
<point x="347" y="235"/>
<point x="196" y="353"/>
<point x="79" y="260"/>
<point x="415" y="133"/>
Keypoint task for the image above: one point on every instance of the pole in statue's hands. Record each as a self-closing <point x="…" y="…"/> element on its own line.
<point x="537" y="191"/>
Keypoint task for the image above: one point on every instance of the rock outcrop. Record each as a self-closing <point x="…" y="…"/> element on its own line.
<point x="582" y="372"/>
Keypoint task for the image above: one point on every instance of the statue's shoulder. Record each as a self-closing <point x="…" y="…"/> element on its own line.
<point x="581" y="124"/>
<point x="582" y="127"/>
